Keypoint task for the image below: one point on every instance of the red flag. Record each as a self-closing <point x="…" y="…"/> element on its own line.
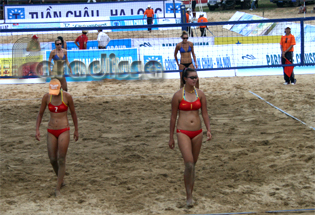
<point x="288" y="69"/>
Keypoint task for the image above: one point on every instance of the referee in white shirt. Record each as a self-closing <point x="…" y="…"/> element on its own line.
<point x="102" y="39"/>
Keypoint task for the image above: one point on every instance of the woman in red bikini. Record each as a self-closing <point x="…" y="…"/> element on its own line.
<point x="188" y="101"/>
<point x="58" y="136"/>
<point x="186" y="49"/>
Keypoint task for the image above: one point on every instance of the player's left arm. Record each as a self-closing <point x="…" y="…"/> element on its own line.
<point x="204" y="113"/>
<point x="74" y="116"/>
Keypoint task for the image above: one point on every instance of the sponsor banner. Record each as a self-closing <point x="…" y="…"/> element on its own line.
<point x="309" y="31"/>
<point x="5" y="26"/>
<point x="82" y="12"/>
<point x="269" y="54"/>
<point x="250" y="27"/>
<point x="107" y="63"/>
<point x="170" y="42"/>
<point x="207" y="57"/>
<point x="40" y="25"/>
<point x="131" y="20"/>
<point x="168" y="19"/>
<point x="7" y="68"/>
<point x="239" y="27"/>
<point x="261" y="29"/>
<point x="86" y="24"/>
<point x="246" y="40"/>
<point x="93" y="44"/>
<point x="235" y="17"/>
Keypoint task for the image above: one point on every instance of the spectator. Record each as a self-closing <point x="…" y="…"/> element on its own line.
<point x="190" y="33"/>
<point x="102" y="39"/>
<point x="286" y="44"/>
<point x="33" y="45"/>
<point x="63" y="42"/>
<point x="202" y="28"/>
<point x="83" y="39"/>
<point x="302" y="9"/>
<point x="193" y="6"/>
<point x="253" y="5"/>
<point x="150" y="15"/>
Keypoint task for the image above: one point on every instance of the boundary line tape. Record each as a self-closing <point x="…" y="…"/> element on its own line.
<point x="97" y="96"/>
<point x="276" y="211"/>
<point x="281" y="110"/>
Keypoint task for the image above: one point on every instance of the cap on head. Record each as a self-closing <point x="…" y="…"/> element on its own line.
<point x="35" y="37"/>
<point x="85" y="31"/>
<point x="149" y="6"/>
<point x="188" y="10"/>
<point x="54" y="87"/>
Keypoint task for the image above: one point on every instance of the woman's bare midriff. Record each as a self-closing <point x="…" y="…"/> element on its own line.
<point x="189" y="120"/>
<point x="58" y="121"/>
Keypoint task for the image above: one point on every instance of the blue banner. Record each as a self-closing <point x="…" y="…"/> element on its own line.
<point x="101" y="64"/>
<point x="131" y="20"/>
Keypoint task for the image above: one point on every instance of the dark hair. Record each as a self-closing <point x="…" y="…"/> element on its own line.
<point x="61" y="39"/>
<point x="184" y="33"/>
<point x="185" y="73"/>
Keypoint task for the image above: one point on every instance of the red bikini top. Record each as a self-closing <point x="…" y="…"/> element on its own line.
<point x="60" y="108"/>
<point x="189" y="106"/>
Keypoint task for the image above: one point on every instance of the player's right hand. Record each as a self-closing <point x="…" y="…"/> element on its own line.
<point x="171" y="143"/>
<point x="37" y="135"/>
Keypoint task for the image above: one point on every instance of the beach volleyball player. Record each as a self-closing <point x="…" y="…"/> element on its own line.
<point x="186" y="49"/>
<point x="58" y="132"/>
<point x="60" y="57"/>
<point x="187" y="102"/>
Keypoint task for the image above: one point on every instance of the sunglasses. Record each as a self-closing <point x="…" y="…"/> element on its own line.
<point x="185" y="38"/>
<point x="57" y="44"/>
<point x="193" y="77"/>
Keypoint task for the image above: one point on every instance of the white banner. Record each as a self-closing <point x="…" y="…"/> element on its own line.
<point x="207" y="57"/>
<point x="170" y="42"/>
<point x="82" y="12"/>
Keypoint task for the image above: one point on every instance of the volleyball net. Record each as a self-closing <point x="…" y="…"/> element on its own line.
<point x="132" y="49"/>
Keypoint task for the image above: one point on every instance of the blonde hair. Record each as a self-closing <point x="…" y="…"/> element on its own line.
<point x="184" y="33"/>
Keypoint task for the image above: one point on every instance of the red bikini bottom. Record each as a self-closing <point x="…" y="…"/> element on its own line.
<point x="190" y="134"/>
<point x="57" y="133"/>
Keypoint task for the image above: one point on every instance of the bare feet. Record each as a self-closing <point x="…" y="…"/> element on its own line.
<point x="190" y="203"/>
<point x="57" y="193"/>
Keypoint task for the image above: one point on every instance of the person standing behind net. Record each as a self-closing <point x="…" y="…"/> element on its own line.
<point x="202" y="28"/>
<point x="58" y="132"/>
<point x="102" y="39"/>
<point x="286" y="45"/>
<point x="253" y="5"/>
<point x="187" y="101"/>
<point x="190" y="33"/>
<point x="60" y="57"/>
<point x="82" y="40"/>
<point x="186" y="49"/>
<point x="150" y="15"/>
<point x="63" y="42"/>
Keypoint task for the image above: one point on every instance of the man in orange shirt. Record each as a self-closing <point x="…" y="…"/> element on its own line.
<point x="202" y="28"/>
<point x="286" y="44"/>
<point x="190" y="33"/>
<point x="150" y="15"/>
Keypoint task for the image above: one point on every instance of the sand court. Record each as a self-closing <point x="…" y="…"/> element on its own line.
<point x="258" y="160"/>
